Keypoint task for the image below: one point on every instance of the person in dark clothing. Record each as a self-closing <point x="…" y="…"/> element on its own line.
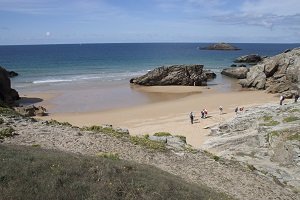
<point x="281" y="99"/>
<point x="296" y="97"/>
<point x="192" y="117"/>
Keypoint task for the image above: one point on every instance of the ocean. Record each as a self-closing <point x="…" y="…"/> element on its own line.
<point x="71" y="66"/>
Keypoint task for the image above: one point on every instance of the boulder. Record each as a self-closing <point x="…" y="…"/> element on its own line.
<point x="277" y="74"/>
<point x="236" y="72"/>
<point x="219" y="46"/>
<point x="31" y="110"/>
<point x="189" y="75"/>
<point x="252" y="58"/>
<point x="7" y="94"/>
<point x="210" y="74"/>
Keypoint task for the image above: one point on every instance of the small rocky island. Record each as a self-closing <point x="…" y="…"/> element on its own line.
<point x="188" y="75"/>
<point x="220" y="46"/>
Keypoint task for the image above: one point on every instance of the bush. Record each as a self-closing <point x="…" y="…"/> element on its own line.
<point x="55" y="122"/>
<point x="106" y="130"/>
<point x="6" y="132"/>
<point x="112" y="156"/>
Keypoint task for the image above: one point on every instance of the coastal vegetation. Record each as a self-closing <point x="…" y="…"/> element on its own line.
<point x="35" y="173"/>
<point x="291" y="119"/>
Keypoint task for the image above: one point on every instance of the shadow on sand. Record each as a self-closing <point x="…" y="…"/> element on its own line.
<point x="29" y="100"/>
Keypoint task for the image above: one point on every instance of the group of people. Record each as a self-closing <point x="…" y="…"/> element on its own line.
<point x="203" y="115"/>
<point x="282" y="98"/>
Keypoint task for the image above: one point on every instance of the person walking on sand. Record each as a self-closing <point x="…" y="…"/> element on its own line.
<point x="221" y="110"/>
<point x="236" y="110"/>
<point x="296" y="97"/>
<point x="281" y="99"/>
<point x="192" y="117"/>
<point x="205" y="113"/>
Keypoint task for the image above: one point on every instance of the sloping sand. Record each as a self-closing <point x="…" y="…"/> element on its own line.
<point x="171" y="115"/>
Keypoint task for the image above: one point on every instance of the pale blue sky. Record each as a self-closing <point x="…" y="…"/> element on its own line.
<point x="105" y="21"/>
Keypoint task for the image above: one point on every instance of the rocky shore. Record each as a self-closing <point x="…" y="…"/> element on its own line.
<point x="195" y="166"/>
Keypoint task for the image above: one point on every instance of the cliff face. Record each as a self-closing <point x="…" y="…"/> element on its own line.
<point x="278" y="74"/>
<point x="266" y="138"/>
<point x="175" y="75"/>
<point x="7" y="94"/>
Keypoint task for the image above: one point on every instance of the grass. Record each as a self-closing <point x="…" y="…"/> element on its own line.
<point x="270" y="123"/>
<point x="160" y="134"/>
<point x="112" y="156"/>
<point x="6" y="132"/>
<point x="251" y="167"/>
<point x="267" y="118"/>
<point x="55" y="122"/>
<point x="291" y="119"/>
<point x="183" y="138"/>
<point x="294" y="137"/>
<point x="190" y="149"/>
<point x="149" y="144"/>
<point x="105" y="130"/>
<point x="294" y="110"/>
<point x="5" y="111"/>
<point x="35" y="173"/>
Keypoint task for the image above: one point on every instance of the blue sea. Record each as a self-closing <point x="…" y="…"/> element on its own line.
<point x="44" y="68"/>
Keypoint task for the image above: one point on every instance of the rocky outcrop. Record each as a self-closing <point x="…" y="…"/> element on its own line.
<point x="188" y="75"/>
<point x="236" y="72"/>
<point x="277" y="74"/>
<point x="7" y="94"/>
<point x="265" y="138"/>
<point x="252" y="58"/>
<point x="219" y="46"/>
<point x="12" y="74"/>
<point x="30" y="111"/>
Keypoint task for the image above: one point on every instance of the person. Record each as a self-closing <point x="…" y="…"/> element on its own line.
<point x="281" y="99"/>
<point x="221" y="110"/>
<point x="296" y="97"/>
<point x="241" y="109"/>
<point x="192" y="117"/>
<point x="202" y="114"/>
<point x="236" y="110"/>
<point x="205" y="113"/>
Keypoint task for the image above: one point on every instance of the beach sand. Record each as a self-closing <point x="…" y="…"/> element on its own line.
<point x="169" y="114"/>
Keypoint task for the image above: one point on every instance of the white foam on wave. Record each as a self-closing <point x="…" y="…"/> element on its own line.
<point x="51" y="81"/>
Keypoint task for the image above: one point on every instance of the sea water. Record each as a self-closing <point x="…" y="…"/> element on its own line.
<point x="71" y="66"/>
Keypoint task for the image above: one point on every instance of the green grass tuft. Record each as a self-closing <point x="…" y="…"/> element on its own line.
<point x="291" y="119"/>
<point x="267" y="118"/>
<point x="294" y="137"/>
<point x="160" y="134"/>
<point x="107" y="130"/>
<point x="6" y="132"/>
<point x="149" y="144"/>
<point x="183" y="138"/>
<point x="294" y="110"/>
<point x="251" y="167"/>
<point x="112" y="156"/>
<point x="270" y="123"/>
<point x="6" y="111"/>
<point x="55" y="122"/>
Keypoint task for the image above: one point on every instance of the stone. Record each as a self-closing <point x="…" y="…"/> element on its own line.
<point x="12" y="74"/>
<point x="277" y="74"/>
<point x="31" y="110"/>
<point x="220" y="46"/>
<point x="122" y="130"/>
<point x="252" y="58"/>
<point x="210" y="74"/>
<point x="7" y="94"/>
<point x="236" y="72"/>
<point x="158" y="138"/>
<point x="188" y="75"/>
<point x="175" y="142"/>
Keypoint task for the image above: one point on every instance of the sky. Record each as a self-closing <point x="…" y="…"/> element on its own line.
<point x="126" y="21"/>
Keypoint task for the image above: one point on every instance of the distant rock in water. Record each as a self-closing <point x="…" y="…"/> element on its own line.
<point x="188" y="75"/>
<point x="12" y="74"/>
<point x="235" y="72"/>
<point x="219" y="46"/>
<point x="7" y="94"/>
<point x="277" y="74"/>
<point x="252" y="58"/>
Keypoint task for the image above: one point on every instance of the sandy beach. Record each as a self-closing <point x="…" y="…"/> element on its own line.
<point x="167" y="110"/>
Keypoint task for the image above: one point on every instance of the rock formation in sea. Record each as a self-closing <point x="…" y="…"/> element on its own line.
<point x="252" y="58"/>
<point x="7" y="94"/>
<point x="188" y="75"/>
<point x="277" y="74"/>
<point x="220" y="46"/>
<point x="235" y="72"/>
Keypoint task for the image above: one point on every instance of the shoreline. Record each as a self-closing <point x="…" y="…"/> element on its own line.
<point x="169" y="115"/>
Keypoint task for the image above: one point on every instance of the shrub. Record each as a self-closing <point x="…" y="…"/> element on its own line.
<point x="6" y="132"/>
<point x="294" y="137"/>
<point x="267" y="118"/>
<point x="183" y="138"/>
<point x="106" y="130"/>
<point x="55" y="122"/>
